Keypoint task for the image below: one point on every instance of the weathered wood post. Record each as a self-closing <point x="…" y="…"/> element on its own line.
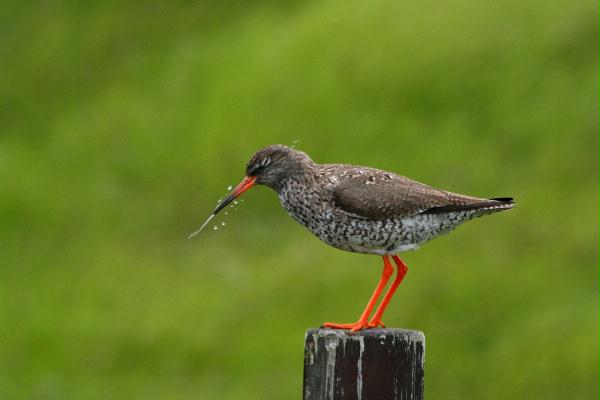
<point x="373" y="364"/>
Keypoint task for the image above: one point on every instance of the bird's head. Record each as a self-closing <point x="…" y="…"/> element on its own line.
<point x="269" y="166"/>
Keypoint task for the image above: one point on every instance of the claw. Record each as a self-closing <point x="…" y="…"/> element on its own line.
<point x="377" y="324"/>
<point x="355" y="327"/>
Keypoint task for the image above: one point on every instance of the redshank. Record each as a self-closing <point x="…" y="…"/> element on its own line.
<point x="362" y="210"/>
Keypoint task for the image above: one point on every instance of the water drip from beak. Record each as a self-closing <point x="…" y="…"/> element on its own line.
<point x="202" y="227"/>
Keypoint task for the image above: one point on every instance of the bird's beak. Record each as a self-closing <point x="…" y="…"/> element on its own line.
<point x="244" y="185"/>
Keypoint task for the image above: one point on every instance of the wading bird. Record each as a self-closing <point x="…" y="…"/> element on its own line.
<point x="362" y="210"/>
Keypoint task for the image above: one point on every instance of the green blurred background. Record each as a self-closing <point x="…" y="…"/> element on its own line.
<point x="121" y="124"/>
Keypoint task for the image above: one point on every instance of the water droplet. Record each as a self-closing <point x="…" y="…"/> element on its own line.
<point x="215" y="227"/>
<point x="231" y="206"/>
<point x="222" y="223"/>
<point x="229" y="187"/>
<point x="226" y="213"/>
<point x="235" y="202"/>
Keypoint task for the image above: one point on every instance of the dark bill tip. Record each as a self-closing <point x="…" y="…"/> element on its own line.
<point x="244" y="185"/>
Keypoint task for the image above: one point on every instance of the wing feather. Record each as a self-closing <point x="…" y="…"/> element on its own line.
<point x="376" y="194"/>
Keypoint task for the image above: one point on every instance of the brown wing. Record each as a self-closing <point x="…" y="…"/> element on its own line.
<point x="377" y="194"/>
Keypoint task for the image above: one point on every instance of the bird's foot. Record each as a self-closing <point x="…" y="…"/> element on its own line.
<point x="376" y="324"/>
<point x="357" y="326"/>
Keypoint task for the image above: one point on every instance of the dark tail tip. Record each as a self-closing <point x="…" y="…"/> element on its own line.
<point x="499" y="204"/>
<point x="507" y="200"/>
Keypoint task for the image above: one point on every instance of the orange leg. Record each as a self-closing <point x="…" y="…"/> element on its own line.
<point x="363" y="321"/>
<point x="402" y="269"/>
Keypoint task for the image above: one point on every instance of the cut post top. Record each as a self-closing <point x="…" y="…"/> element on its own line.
<point x="370" y="364"/>
<point x="405" y="334"/>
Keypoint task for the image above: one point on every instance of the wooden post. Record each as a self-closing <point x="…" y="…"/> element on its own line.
<point x="373" y="364"/>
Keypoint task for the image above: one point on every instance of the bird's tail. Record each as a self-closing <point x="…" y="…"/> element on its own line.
<point x="486" y="206"/>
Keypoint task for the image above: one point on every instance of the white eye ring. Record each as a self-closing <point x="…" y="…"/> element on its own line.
<point x="265" y="161"/>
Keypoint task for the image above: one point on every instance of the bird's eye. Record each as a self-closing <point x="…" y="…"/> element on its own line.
<point x="258" y="166"/>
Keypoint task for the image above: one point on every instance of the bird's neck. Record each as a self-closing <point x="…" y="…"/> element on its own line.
<point x="301" y="198"/>
<point x="300" y="177"/>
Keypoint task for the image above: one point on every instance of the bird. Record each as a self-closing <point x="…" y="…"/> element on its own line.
<point x="362" y="210"/>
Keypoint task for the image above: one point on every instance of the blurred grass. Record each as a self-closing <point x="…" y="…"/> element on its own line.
<point x="122" y="124"/>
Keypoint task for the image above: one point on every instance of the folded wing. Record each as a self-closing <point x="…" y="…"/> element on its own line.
<point x="376" y="194"/>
